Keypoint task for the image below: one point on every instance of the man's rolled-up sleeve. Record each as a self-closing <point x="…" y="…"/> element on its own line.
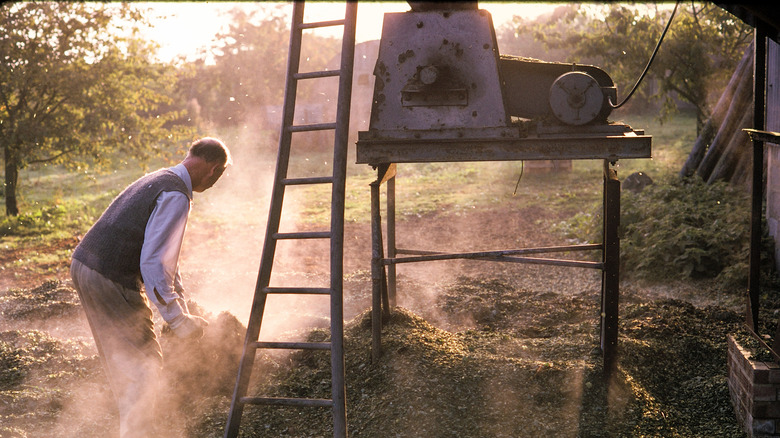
<point x="160" y="254"/>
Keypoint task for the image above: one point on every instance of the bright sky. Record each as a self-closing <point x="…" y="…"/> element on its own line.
<point x="186" y="27"/>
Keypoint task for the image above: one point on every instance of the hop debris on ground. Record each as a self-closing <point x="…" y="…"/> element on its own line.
<point x="528" y="366"/>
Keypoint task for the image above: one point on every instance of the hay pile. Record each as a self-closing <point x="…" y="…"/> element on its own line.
<point x="529" y="366"/>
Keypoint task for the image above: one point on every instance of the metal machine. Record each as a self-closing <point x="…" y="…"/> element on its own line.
<point x="439" y="76"/>
<point x="557" y="93"/>
<point x="444" y="93"/>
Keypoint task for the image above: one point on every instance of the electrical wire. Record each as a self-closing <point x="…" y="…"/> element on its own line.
<point x="522" y="166"/>
<point x="641" y="78"/>
<point x="647" y="67"/>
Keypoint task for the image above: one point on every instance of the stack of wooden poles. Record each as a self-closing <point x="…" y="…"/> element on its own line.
<point x="723" y="151"/>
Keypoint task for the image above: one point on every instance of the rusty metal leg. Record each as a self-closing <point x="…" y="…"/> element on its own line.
<point x="379" y="296"/>
<point x="376" y="274"/>
<point x="391" y="248"/>
<point x="610" y="283"/>
<point x="385" y="298"/>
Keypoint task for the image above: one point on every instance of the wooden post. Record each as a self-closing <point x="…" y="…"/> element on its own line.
<point x="759" y="88"/>
<point x="736" y="110"/>
<point x="736" y="151"/>
<point x="700" y="148"/>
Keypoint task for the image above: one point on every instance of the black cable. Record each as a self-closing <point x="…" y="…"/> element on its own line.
<point x="522" y="165"/>
<point x="647" y="67"/>
<point x="644" y="73"/>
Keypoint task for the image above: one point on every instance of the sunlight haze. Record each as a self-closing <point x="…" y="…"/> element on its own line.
<point x="187" y="28"/>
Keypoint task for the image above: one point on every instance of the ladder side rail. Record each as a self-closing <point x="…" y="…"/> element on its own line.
<point x="269" y="245"/>
<point x="341" y="140"/>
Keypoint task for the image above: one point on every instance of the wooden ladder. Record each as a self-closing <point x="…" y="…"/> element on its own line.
<point x="337" y="180"/>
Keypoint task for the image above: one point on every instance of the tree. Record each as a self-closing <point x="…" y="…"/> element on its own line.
<point x="246" y="69"/>
<point x="77" y="87"/>
<point x="706" y="43"/>
<point x="698" y="55"/>
<point x="246" y="73"/>
<point x="513" y="37"/>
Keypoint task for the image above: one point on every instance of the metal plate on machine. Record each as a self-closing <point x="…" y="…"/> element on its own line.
<point x="447" y="97"/>
<point x="437" y="70"/>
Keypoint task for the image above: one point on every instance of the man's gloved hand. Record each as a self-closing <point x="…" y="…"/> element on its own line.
<point x="187" y="326"/>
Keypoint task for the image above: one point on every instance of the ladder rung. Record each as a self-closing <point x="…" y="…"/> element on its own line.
<point x="294" y="345"/>
<point x="317" y="24"/>
<point x="303" y="235"/>
<point x="317" y="74"/>
<point x="312" y="180"/>
<point x="278" y="401"/>
<point x="312" y="127"/>
<point x="297" y="290"/>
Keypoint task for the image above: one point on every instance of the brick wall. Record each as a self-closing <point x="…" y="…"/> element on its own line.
<point x="754" y="387"/>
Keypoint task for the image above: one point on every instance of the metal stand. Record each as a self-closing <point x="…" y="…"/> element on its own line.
<point x="609" y="265"/>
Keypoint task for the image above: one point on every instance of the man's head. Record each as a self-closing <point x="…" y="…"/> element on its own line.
<point x="206" y="161"/>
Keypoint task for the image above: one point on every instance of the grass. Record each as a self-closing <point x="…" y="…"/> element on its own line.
<point x="451" y="187"/>
<point x="448" y="184"/>
<point x="58" y="204"/>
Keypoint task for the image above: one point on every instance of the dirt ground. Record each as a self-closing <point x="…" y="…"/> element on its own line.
<point x="12" y="277"/>
<point x="475" y="349"/>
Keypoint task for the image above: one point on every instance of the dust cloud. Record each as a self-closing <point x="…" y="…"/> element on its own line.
<point x="220" y="260"/>
<point x="224" y="242"/>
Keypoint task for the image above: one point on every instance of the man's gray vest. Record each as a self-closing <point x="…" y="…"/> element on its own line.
<point x="113" y="245"/>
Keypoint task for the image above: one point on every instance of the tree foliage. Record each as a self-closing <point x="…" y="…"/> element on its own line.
<point x="247" y="68"/>
<point x="696" y="59"/>
<point x="246" y="74"/>
<point x="705" y="47"/>
<point x="77" y="88"/>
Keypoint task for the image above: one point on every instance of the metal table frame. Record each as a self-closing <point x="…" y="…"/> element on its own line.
<point x="384" y="153"/>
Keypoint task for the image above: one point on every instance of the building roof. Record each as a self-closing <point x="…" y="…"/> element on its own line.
<point x="755" y="13"/>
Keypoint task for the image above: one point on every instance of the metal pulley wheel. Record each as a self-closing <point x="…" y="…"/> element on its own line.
<point x="576" y="98"/>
